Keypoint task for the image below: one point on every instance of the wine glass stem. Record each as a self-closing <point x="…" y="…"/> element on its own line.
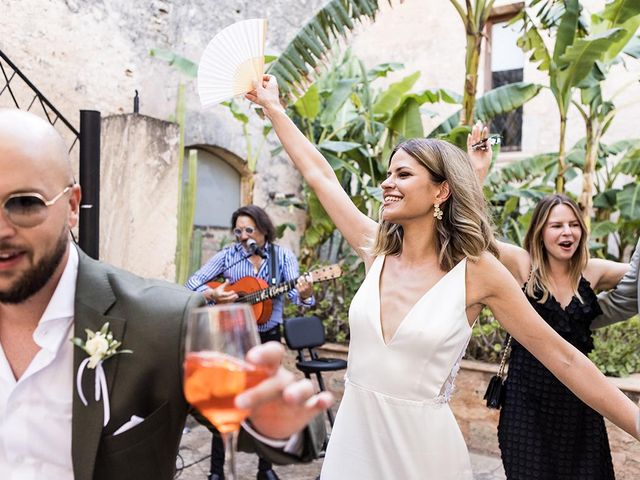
<point x="230" y="440"/>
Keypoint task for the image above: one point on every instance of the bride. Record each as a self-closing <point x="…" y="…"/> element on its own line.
<point x="431" y="267"/>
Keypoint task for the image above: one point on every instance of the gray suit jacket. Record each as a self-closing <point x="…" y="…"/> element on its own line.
<point x="623" y="301"/>
<point x="148" y="317"/>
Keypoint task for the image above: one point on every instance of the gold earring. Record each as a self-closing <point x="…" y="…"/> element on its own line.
<point x="437" y="212"/>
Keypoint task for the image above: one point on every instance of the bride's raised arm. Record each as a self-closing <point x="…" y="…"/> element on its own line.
<point x="355" y="226"/>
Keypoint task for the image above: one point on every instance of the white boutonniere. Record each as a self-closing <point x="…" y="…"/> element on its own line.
<point x="100" y="346"/>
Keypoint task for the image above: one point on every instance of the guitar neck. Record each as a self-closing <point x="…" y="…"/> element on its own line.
<point x="268" y="293"/>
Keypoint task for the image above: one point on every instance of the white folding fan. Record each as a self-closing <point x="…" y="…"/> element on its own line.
<point x="233" y="60"/>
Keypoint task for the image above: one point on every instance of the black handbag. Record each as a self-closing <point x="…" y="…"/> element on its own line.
<point x="495" y="390"/>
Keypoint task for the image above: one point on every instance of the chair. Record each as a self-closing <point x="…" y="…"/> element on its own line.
<point x="302" y="333"/>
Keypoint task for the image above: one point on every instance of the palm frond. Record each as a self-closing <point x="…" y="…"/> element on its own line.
<point x="307" y="51"/>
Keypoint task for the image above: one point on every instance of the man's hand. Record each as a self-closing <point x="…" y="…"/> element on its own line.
<point x="220" y="294"/>
<point x="481" y="155"/>
<point x="304" y="285"/>
<point x="280" y="405"/>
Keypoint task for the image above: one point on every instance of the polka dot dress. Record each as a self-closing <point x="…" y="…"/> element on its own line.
<point x="545" y="432"/>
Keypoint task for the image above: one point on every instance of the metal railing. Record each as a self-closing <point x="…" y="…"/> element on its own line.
<point x="12" y="73"/>
<point x="18" y="91"/>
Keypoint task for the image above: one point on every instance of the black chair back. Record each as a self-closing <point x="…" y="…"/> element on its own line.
<point x="303" y="332"/>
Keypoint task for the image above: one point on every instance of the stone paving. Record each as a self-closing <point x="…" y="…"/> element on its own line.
<point x="196" y="444"/>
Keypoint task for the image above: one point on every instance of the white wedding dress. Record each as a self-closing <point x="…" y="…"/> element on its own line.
<point x="394" y="421"/>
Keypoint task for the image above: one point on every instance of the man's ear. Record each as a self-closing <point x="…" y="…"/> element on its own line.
<point x="444" y="193"/>
<point x="74" y="205"/>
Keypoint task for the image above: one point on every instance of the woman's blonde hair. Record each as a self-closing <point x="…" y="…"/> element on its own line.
<point x="465" y="229"/>
<point x="538" y="283"/>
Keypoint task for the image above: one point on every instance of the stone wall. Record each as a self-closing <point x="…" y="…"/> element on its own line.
<point x="479" y="424"/>
<point x="139" y="194"/>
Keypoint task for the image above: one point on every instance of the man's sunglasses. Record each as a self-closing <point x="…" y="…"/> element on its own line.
<point x="238" y="231"/>
<point x="26" y="210"/>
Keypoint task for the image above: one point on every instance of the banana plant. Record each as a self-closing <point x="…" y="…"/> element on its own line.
<point x="474" y="17"/>
<point x="307" y="52"/>
<point x="617" y="193"/>
<point x="597" y="112"/>
<point x="576" y="52"/>
<point x="498" y="101"/>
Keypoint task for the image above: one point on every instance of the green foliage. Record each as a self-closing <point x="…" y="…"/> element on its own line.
<point x="487" y="338"/>
<point x="180" y="63"/>
<point x="186" y="215"/>
<point x="333" y="299"/>
<point x="306" y="53"/>
<point x="498" y="101"/>
<point x="195" y="260"/>
<point x="583" y="52"/>
<point x="617" y="348"/>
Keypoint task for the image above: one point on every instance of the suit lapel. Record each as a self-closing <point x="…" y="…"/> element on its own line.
<point x="94" y="297"/>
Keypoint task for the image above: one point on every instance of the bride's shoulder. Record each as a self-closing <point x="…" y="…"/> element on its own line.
<point x="486" y="270"/>
<point x="486" y="261"/>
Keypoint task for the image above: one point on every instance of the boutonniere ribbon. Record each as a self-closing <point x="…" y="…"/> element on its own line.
<point x="100" y="346"/>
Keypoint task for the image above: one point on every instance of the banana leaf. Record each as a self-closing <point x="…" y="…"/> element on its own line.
<point x="629" y="201"/>
<point x="495" y="102"/>
<point x="308" y="50"/>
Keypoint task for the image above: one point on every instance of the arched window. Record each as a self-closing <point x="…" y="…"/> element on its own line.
<point x="219" y="189"/>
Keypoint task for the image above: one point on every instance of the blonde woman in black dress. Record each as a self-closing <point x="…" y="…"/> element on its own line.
<point x="545" y="431"/>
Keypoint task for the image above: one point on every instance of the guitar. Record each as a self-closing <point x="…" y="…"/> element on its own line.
<point x="256" y="291"/>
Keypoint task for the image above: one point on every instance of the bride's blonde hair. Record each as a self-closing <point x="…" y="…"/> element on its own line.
<point x="465" y="229"/>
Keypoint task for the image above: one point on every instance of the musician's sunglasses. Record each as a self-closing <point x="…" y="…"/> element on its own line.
<point x="238" y="231"/>
<point x="27" y="210"/>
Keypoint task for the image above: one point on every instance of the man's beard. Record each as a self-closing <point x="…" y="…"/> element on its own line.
<point x="34" y="279"/>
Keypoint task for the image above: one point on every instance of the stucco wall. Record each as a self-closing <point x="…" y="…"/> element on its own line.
<point x="139" y="194"/>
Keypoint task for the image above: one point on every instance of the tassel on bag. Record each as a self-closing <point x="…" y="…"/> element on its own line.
<point x="495" y="390"/>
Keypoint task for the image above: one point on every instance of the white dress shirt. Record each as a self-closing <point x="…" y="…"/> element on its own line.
<point x="35" y="411"/>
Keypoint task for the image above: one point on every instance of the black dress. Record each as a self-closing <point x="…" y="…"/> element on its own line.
<point x="545" y="431"/>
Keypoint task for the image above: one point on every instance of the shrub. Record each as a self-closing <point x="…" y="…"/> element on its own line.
<point x="333" y="299"/>
<point x="617" y="348"/>
<point x="487" y="338"/>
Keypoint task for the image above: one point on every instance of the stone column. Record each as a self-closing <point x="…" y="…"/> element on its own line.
<point x="139" y="194"/>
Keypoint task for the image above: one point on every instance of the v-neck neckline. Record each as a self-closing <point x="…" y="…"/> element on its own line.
<point x="413" y="307"/>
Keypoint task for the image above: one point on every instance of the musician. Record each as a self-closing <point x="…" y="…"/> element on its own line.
<point x="251" y="255"/>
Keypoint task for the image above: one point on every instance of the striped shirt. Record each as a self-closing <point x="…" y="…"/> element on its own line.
<point x="219" y="265"/>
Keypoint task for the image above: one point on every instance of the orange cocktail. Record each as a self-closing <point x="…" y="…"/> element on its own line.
<point x="212" y="381"/>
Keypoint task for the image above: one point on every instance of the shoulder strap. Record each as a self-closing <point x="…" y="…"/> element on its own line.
<point x="273" y="265"/>
<point x="505" y="354"/>
<point x="507" y="342"/>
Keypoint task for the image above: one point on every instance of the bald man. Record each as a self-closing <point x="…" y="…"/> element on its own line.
<point x="50" y="292"/>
